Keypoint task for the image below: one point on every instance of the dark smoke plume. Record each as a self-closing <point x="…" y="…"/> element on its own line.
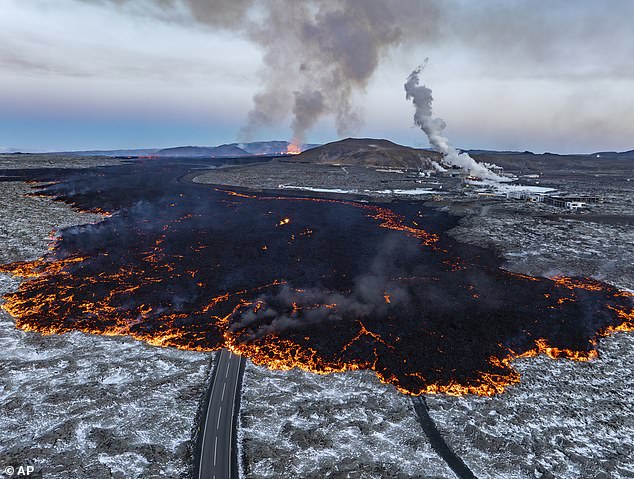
<point x="318" y="55"/>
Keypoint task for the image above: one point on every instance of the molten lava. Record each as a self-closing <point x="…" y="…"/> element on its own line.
<point x="343" y="286"/>
<point x="293" y="148"/>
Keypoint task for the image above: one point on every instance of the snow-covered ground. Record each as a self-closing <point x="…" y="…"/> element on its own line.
<point x="413" y="191"/>
<point x="512" y="188"/>
<point x="545" y="246"/>
<point x="564" y="419"/>
<point x="299" y="425"/>
<point x="410" y="192"/>
<point x="317" y="190"/>
<point x="87" y="406"/>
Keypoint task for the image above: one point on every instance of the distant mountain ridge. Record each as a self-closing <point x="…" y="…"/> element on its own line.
<point x="352" y="146"/>
<point x="275" y="147"/>
<point x="122" y="152"/>
<point x="230" y="150"/>
<point x="202" y="152"/>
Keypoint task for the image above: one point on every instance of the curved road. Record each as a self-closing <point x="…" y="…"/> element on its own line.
<point x="216" y="455"/>
<point x="437" y="442"/>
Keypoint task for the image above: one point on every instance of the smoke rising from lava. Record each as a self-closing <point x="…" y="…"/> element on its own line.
<point x="422" y="99"/>
<point x="373" y="294"/>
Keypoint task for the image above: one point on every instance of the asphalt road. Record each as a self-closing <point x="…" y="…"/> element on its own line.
<point x="437" y="442"/>
<point x="217" y="441"/>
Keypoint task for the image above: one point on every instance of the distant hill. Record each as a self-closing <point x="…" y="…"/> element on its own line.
<point x="202" y="152"/>
<point x="230" y="150"/>
<point x="496" y="152"/>
<point x="528" y="162"/>
<point x="129" y="152"/>
<point x="264" y="147"/>
<point x="613" y="155"/>
<point x="369" y="152"/>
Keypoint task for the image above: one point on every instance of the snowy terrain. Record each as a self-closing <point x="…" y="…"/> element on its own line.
<point x="297" y="424"/>
<point x="548" y="246"/>
<point x="88" y="406"/>
<point x="565" y="419"/>
<point x="411" y="192"/>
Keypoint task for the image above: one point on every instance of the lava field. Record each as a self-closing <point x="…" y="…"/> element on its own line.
<point x="320" y="284"/>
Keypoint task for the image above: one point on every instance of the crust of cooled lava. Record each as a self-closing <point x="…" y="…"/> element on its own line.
<point x="564" y="419"/>
<point x="78" y="405"/>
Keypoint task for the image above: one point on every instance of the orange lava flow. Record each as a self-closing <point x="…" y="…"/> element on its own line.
<point x="387" y="218"/>
<point x="270" y="351"/>
<point x="50" y="295"/>
<point x="284" y="354"/>
<point x="293" y="148"/>
<point x="575" y="283"/>
<point x="37" y="268"/>
<point x="121" y="322"/>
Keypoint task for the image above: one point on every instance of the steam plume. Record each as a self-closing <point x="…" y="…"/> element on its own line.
<point x="433" y="127"/>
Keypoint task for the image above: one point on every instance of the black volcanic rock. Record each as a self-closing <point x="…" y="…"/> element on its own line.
<point x="369" y="152"/>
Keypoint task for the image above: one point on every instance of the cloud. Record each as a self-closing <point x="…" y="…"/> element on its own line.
<point x="260" y="63"/>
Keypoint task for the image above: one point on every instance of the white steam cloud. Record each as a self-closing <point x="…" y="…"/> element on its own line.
<point x="433" y="127"/>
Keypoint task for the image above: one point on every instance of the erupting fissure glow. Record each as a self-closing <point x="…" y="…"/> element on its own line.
<point x="294" y="148"/>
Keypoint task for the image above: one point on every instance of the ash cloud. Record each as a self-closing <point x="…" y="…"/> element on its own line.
<point x="327" y="53"/>
<point x="319" y="55"/>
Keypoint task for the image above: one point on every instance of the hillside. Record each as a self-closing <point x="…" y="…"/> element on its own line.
<point x="368" y="152"/>
<point x="202" y="152"/>
<point x="527" y="162"/>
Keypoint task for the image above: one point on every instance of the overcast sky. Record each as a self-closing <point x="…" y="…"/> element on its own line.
<point x="538" y="75"/>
